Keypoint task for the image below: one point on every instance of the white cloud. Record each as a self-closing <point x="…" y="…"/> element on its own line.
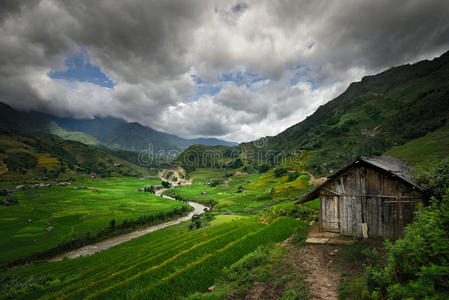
<point x="151" y="49"/>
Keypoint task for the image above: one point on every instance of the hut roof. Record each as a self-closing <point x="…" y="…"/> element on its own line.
<point x="386" y="163"/>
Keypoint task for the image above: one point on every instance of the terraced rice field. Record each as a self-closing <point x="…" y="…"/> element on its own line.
<point x="166" y="264"/>
<point x="73" y="213"/>
<point x="260" y="191"/>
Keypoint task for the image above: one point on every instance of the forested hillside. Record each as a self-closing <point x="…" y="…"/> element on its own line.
<point x="25" y="155"/>
<point x="372" y="116"/>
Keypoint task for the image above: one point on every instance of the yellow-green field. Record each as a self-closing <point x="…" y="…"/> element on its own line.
<point x="260" y="191"/>
<point x="73" y="213"/>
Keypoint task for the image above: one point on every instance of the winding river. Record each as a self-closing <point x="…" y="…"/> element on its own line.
<point x="117" y="240"/>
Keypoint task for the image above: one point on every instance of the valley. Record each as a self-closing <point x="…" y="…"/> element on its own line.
<point x="81" y="217"/>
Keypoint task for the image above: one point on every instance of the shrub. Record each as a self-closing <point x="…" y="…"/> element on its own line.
<point x="166" y="184"/>
<point x="418" y="265"/>
<point x="293" y="176"/>
<point x="21" y="161"/>
<point x="263" y="168"/>
<point x="302" y="212"/>
<point x="278" y="172"/>
<point x="436" y="182"/>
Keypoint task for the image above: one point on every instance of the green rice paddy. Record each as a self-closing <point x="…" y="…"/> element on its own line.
<point x="73" y="213"/>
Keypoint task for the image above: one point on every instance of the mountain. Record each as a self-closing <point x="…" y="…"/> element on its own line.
<point x="118" y="134"/>
<point x="25" y="155"/>
<point x="17" y="121"/>
<point x="372" y="116"/>
<point x="112" y="133"/>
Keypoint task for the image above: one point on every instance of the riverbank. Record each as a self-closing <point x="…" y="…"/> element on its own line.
<point x="106" y="244"/>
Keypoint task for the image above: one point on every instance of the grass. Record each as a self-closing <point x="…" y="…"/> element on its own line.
<point x="169" y="263"/>
<point x="434" y="147"/>
<point x="207" y="174"/>
<point x="260" y="191"/>
<point x="266" y="267"/>
<point x="73" y="213"/>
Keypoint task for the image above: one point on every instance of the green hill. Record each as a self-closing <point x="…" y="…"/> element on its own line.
<point x="27" y="155"/>
<point x="372" y="116"/>
<point x="18" y="121"/>
<point x="426" y="150"/>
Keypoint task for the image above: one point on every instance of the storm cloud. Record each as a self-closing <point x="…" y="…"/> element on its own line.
<point x="237" y="70"/>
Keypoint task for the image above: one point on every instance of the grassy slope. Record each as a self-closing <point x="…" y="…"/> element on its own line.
<point x="424" y="151"/>
<point x="169" y="263"/>
<point x="73" y="135"/>
<point x="55" y="157"/>
<point x="256" y="195"/>
<point x="73" y="212"/>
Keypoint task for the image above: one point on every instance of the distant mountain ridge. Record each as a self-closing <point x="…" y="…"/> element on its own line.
<point x="109" y="132"/>
<point x="119" y="134"/>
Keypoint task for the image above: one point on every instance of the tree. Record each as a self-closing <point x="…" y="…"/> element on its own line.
<point x="166" y="184"/>
<point x="436" y="182"/>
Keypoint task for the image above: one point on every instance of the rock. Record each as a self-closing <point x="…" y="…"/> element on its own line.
<point x="20" y="187"/>
<point x="317" y="240"/>
<point x="29" y="220"/>
<point x="49" y="228"/>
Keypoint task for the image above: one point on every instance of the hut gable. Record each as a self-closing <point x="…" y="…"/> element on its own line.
<point x="371" y="196"/>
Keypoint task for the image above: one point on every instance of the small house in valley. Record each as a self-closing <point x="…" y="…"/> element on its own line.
<point x="370" y="197"/>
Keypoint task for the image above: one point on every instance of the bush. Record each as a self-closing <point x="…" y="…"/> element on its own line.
<point x="418" y="265"/>
<point x="302" y="212"/>
<point x="278" y="172"/>
<point x="21" y="161"/>
<point x="293" y="176"/>
<point x="436" y="182"/>
<point x="263" y="168"/>
<point x="166" y="184"/>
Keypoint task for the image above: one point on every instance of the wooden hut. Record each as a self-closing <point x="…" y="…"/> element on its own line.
<point x="371" y="197"/>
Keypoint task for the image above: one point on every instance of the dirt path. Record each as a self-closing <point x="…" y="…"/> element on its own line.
<point x="106" y="244"/>
<point x="313" y="180"/>
<point x="322" y="275"/>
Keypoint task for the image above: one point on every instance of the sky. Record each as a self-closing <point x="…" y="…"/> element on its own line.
<point x="235" y="70"/>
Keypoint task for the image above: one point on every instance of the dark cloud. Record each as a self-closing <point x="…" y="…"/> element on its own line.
<point x="152" y="49"/>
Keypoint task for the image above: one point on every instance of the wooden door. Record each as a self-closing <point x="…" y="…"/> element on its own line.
<point x="329" y="213"/>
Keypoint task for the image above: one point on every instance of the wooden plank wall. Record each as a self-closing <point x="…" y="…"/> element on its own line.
<point x="359" y="189"/>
